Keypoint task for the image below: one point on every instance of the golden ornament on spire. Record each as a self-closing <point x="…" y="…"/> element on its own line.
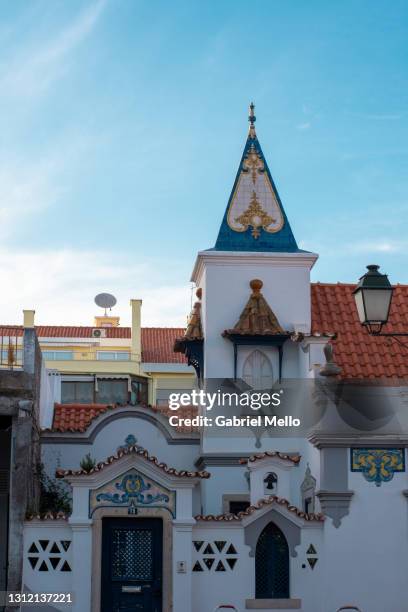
<point x="252" y="119"/>
<point x="255" y="216"/>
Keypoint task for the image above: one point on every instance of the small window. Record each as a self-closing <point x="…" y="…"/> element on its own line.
<point x="58" y="355"/>
<point x="257" y="371"/>
<point x="112" y="392"/>
<point x="76" y="392"/>
<point x="113" y="355"/>
<point x="139" y="392"/>
<point x="238" y="506"/>
<point x="270" y="483"/>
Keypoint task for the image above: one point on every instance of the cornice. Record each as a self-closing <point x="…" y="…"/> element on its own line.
<point x="355" y="440"/>
<point x="263" y="258"/>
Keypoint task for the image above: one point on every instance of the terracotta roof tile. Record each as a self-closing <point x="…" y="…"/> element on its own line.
<point x="69" y="331"/>
<point x="273" y="499"/>
<point x="133" y="450"/>
<point x="157" y="345"/>
<point x="157" y="342"/>
<point x="194" y="330"/>
<point x="257" y="317"/>
<point x="291" y="458"/>
<point x="333" y="311"/>
<point x="186" y="412"/>
<point x="355" y="351"/>
<point x="78" y="417"/>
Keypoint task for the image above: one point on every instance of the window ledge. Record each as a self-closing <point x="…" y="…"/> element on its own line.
<point x="273" y="604"/>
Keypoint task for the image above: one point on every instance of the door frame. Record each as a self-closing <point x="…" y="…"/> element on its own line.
<point x="154" y="525"/>
<point x="117" y="513"/>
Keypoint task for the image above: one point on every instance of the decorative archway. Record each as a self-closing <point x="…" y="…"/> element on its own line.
<point x="272" y="564"/>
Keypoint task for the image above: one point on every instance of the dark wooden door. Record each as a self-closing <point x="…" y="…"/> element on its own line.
<point x="132" y="560"/>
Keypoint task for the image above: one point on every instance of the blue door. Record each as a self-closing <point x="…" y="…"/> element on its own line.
<point x="132" y="559"/>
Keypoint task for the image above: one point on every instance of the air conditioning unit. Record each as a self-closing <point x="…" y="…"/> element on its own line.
<point x="99" y="333"/>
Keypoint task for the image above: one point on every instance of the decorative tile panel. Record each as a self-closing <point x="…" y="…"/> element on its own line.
<point x="132" y="490"/>
<point x="378" y="465"/>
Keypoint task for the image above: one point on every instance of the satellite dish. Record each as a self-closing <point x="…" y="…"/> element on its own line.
<point x="105" y="300"/>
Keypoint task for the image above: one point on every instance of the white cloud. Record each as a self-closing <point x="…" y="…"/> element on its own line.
<point x="35" y="69"/>
<point x="61" y="285"/>
<point x="304" y="126"/>
<point x="25" y="189"/>
<point x="378" y="246"/>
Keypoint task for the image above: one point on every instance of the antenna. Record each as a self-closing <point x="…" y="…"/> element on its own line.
<point x="105" y="300"/>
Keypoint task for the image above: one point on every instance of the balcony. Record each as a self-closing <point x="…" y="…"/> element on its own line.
<point x="11" y="348"/>
<point x="81" y="355"/>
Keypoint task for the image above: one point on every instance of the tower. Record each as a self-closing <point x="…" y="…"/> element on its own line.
<point x="255" y="242"/>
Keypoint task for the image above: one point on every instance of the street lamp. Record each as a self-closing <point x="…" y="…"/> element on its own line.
<point x="373" y="296"/>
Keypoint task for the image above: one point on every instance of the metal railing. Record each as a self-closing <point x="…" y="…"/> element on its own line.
<point x="68" y="354"/>
<point x="11" y="348"/>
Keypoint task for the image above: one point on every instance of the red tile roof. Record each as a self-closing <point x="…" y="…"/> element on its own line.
<point x="78" y="417"/>
<point x="333" y="310"/>
<point x="68" y="331"/>
<point x="133" y="450"/>
<point x="268" y="501"/>
<point x="157" y="342"/>
<point x="355" y="351"/>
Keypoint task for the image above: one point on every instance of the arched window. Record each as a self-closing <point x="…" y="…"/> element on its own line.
<point x="272" y="564"/>
<point x="257" y="371"/>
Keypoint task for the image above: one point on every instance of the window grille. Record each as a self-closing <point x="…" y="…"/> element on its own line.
<point x="272" y="564"/>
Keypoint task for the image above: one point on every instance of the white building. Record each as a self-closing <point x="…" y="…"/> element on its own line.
<point x="310" y="519"/>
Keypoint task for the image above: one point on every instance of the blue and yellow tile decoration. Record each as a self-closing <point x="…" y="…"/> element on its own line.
<point x="378" y="465"/>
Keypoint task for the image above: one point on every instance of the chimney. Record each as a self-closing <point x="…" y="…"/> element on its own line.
<point x="29" y="318"/>
<point x="136" y="343"/>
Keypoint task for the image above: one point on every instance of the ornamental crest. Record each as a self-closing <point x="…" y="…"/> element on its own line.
<point x="378" y="465"/>
<point x="132" y="490"/>
<point x="254" y="202"/>
<point x="253" y="163"/>
<point x="255" y="217"/>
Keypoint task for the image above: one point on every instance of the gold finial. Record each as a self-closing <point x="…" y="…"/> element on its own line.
<point x="252" y="119"/>
<point x="256" y="285"/>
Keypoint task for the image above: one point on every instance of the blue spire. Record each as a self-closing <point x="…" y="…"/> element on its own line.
<point x="255" y="219"/>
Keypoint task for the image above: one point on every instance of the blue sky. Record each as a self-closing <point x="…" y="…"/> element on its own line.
<point x="122" y="125"/>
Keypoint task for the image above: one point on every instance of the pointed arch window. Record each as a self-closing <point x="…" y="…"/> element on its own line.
<point x="272" y="564"/>
<point x="257" y="371"/>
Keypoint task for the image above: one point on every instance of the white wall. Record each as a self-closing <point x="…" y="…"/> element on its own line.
<point x="367" y="556"/>
<point x="52" y="580"/>
<point x="107" y="441"/>
<point x="225" y="281"/>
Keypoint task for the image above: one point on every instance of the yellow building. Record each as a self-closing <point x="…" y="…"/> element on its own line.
<point x="109" y="364"/>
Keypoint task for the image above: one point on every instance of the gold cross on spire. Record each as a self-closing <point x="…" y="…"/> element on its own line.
<point x="252" y="119"/>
